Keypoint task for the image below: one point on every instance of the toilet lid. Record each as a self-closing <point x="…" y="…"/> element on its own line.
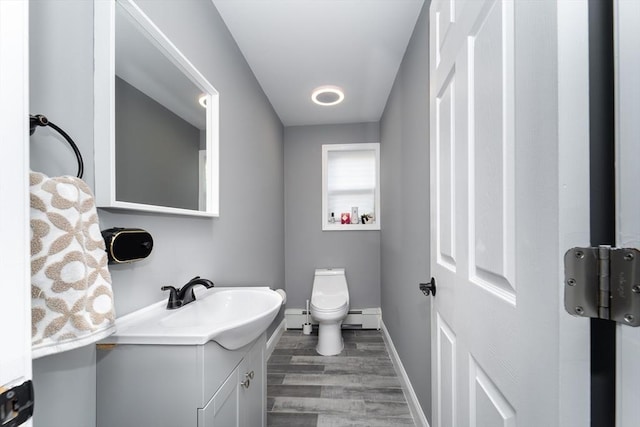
<point x="328" y="302"/>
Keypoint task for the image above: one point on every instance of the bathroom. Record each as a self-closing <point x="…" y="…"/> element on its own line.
<point x="267" y="232"/>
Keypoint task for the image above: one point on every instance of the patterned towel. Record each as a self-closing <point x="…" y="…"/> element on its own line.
<point x="72" y="300"/>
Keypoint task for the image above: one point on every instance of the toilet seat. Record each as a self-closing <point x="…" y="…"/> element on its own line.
<point x="328" y="303"/>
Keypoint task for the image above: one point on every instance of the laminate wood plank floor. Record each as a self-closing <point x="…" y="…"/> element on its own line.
<point x="358" y="387"/>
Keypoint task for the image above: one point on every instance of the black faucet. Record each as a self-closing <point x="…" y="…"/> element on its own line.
<point x="184" y="295"/>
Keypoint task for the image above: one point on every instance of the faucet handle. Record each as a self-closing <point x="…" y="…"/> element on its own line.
<point x="174" y="301"/>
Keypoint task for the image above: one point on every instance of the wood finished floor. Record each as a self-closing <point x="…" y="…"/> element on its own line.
<point x="359" y="387"/>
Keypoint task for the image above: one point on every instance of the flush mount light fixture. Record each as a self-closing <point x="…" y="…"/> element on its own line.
<point x="327" y="95"/>
<point x="203" y="100"/>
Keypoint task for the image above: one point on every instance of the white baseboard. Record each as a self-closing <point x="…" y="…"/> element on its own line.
<point x="274" y="338"/>
<point x="414" y="406"/>
<point x="367" y="318"/>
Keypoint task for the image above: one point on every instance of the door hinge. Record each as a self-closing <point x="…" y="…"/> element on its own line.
<point x="603" y="283"/>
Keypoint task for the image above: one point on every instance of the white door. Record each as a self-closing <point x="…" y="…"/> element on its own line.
<point x="627" y="50"/>
<point x="509" y="195"/>
<point x="15" y="289"/>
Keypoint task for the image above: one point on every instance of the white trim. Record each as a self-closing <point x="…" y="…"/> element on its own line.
<point x="412" y="400"/>
<point x="274" y="338"/>
<point x="15" y="292"/>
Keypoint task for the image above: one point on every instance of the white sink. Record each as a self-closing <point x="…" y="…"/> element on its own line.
<point x="232" y="317"/>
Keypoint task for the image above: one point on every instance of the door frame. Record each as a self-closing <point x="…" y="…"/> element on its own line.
<point x="602" y="199"/>
<point x="627" y="131"/>
<point x="15" y="270"/>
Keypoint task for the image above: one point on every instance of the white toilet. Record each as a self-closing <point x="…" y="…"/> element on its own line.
<point x="329" y="307"/>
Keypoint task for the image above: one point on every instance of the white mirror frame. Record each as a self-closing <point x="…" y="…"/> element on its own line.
<point x="104" y="111"/>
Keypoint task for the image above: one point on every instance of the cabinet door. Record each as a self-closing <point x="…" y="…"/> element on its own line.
<point x="222" y="409"/>
<point x="252" y="392"/>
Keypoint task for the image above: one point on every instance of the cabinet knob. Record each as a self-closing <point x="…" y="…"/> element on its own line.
<point x="246" y="383"/>
<point x="250" y="375"/>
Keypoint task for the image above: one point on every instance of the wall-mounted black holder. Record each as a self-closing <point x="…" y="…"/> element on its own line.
<point x="40" y="120"/>
<point x="16" y="404"/>
<point x="126" y="245"/>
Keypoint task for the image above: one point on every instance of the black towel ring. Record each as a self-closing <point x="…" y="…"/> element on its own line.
<point x="40" y="120"/>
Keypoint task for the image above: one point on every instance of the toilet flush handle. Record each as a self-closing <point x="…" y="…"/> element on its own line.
<point x="428" y="288"/>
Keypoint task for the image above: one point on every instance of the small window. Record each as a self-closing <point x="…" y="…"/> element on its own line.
<point x="351" y="186"/>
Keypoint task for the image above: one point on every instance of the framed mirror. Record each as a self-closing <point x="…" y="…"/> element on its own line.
<point x="156" y="119"/>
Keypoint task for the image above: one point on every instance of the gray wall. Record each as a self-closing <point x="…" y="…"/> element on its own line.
<point x="404" y="130"/>
<point x="307" y="247"/>
<point x="61" y="87"/>
<point x="245" y="246"/>
<point x="157" y="152"/>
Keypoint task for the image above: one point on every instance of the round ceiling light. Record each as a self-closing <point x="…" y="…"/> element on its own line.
<point x="327" y="95"/>
<point x="203" y="100"/>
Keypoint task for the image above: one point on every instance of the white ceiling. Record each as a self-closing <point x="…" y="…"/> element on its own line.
<point x="294" y="46"/>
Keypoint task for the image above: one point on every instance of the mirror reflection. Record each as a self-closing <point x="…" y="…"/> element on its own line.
<point x="160" y="127"/>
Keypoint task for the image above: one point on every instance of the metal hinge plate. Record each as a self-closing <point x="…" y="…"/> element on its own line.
<point x="603" y="283"/>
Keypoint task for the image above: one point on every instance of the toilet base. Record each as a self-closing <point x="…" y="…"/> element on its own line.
<point x="330" y="342"/>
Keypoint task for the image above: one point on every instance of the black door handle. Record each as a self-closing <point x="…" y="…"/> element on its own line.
<point x="428" y="288"/>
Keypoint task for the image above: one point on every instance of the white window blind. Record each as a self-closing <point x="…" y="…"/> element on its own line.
<point x="351" y="181"/>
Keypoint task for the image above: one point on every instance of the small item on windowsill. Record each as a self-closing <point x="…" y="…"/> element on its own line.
<point x="332" y="220"/>
<point x="354" y="215"/>
<point x="366" y="218"/>
<point x="345" y="218"/>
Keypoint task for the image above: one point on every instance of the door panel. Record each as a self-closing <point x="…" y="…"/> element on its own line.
<point x="445" y="11"/>
<point x="446" y="236"/>
<point x="498" y="206"/>
<point x="487" y="403"/>
<point x="446" y="374"/>
<point x="490" y="145"/>
<point x="444" y="14"/>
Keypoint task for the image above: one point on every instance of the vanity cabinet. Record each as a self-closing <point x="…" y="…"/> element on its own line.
<point x="234" y="402"/>
<point x="181" y="385"/>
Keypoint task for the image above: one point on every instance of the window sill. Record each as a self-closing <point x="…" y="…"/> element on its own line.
<point x="351" y="227"/>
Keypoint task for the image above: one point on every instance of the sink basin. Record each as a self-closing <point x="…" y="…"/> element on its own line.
<point x="233" y="317"/>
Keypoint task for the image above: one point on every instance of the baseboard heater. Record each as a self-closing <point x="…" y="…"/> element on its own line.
<point x="366" y="318"/>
